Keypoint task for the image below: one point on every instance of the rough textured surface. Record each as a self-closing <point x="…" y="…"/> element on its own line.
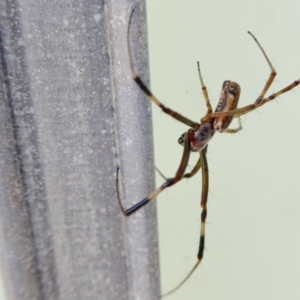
<point x="70" y="113"/>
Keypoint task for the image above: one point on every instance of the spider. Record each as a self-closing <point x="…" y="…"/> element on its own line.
<point x="199" y="134"/>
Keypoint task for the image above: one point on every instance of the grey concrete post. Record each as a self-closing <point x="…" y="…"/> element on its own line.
<point x="70" y="113"/>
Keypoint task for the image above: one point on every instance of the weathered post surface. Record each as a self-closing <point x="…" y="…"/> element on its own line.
<point x="70" y="113"/>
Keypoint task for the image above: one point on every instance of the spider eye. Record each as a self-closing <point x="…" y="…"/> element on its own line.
<point x="181" y="139"/>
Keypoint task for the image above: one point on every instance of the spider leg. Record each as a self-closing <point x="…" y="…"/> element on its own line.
<point x="246" y="109"/>
<point x="186" y="175"/>
<point x="161" y="174"/>
<point x="145" y="89"/>
<point x="273" y="72"/>
<point x="261" y="100"/>
<point x="204" y="90"/>
<point x="204" y="196"/>
<point x="235" y="130"/>
<point x="168" y="183"/>
<point x="197" y="166"/>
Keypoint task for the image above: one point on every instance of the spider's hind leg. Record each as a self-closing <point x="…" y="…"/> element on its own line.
<point x="204" y="197"/>
<point x="273" y="72"/>
<point x="235" y="130"/>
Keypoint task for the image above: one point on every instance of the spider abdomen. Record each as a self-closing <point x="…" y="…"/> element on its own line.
<point x="228" y="101"/>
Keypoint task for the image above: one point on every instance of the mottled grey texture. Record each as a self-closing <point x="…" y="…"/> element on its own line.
<point x="70" y="113"/>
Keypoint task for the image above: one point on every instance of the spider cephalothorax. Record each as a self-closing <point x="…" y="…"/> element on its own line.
<point x="198" y="138"/>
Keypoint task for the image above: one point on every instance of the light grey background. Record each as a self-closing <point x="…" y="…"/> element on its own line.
<point x="253" y="242"/>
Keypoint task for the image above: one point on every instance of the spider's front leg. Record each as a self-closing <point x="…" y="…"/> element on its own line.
<point x="168" y="183"/>
<point x="193" y="140"/>
<point x="190" y="174"/>
<point x="147" y="91"/>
